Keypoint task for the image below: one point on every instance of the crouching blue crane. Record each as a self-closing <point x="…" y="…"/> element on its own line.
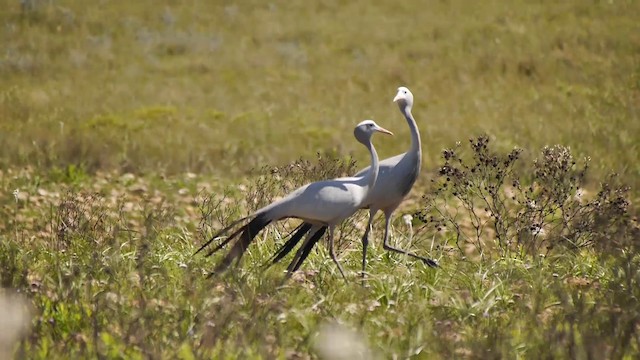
<point x="396" y="176"/>
<point x="321" y="205"/>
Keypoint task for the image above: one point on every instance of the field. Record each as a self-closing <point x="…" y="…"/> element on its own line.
<point x="132" y="131"/>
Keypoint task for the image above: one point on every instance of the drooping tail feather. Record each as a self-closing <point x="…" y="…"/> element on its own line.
<point x="221" y="232"/>
<point x="306" y="249"/>
<point x="249" y="232"/>
<point x="432" y="263"/>
<point x="293" y="231"/>
<point x="301" y="230"/>
<point x="225" y="242"/>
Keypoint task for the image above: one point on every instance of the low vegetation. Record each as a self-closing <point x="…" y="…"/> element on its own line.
<point x="133" y="130"/>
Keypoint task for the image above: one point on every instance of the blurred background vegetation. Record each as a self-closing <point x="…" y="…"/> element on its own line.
<point x="220" y="87"/>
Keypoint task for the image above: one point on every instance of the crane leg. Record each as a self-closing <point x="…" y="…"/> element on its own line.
<point x="365" y="240"/>
<point x="388" y="247"/>
<point x="333" y="253"/>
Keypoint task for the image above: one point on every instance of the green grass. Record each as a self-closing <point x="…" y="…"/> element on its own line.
<point x="113" y="275"/>
<point x="153" y="105"/>
<point x="168" y="87"/>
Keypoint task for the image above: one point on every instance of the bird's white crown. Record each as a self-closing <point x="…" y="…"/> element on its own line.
<point x="404" y="94"/>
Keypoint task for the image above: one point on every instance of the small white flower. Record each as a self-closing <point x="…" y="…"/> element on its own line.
<point x="537" y="230"/>
<point x="182" y="265"/>
<point x="407" y="221"/>
<point x="16" y="193"/>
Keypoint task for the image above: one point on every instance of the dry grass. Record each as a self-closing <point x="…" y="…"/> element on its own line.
<point x="198" y="86"/>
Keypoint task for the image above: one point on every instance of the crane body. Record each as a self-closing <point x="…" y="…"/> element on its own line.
<point x="396" y="177"/>
<point x="321" y="205"/>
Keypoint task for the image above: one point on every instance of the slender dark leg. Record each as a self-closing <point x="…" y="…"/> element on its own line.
<point x="333" y="253"/>
<point x="388" y="246"/>
<point x="365" y="240"/>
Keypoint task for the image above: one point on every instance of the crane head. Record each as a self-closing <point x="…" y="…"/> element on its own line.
<point x="365" y="130"/>
<point x="403" y="97"/>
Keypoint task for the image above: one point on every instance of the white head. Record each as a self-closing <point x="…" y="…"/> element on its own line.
<point x="404" y="97"/>
<point x="366" y="129"/>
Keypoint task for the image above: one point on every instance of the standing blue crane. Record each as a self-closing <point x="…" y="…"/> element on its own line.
<point x="396" y="176"/>
<point x="321" y="205"/>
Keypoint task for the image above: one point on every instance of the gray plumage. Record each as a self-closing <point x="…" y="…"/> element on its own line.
<point x="320" y="204"/>
<point x="396" y="177"/>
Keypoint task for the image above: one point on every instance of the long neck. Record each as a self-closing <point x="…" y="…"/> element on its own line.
<point x="416" y="144"/>
<point x="373" y="173"/>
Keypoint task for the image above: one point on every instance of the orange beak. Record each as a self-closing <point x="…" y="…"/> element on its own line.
<point x="384" y="131"/>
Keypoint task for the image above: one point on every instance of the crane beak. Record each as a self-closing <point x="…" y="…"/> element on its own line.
<point x="384" y="131"/>
<point x="398" y="97"/>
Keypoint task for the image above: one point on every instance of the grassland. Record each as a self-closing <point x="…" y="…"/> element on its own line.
<point x="131" y="130"/>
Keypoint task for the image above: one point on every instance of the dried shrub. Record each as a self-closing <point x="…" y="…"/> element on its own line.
<point x="215" y="212"/>
<point x="80" y="215"/>
<point x="484" y="201"/>
<point x="273" y="181"/>
<point x="469" y="197"/>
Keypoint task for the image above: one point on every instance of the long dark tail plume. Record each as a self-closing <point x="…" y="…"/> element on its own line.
<point x="221" y="232"/>
<point x="249" y="232"/>
<point x="226" y="241"/>
<point x="306" y="249"/>
<point x="293" y="231"/>
<point x="290" y="244"/>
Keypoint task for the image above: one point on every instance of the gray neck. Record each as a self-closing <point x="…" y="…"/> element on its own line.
<point x="416" y="144"/>
<point x="375" y="167"/>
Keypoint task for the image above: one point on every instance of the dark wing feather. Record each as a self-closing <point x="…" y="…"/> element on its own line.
<point x="220" y="233"/>
<point x="249" y="232"/>
<point x="306" y="249"/>
<point x="291" y="243"/>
